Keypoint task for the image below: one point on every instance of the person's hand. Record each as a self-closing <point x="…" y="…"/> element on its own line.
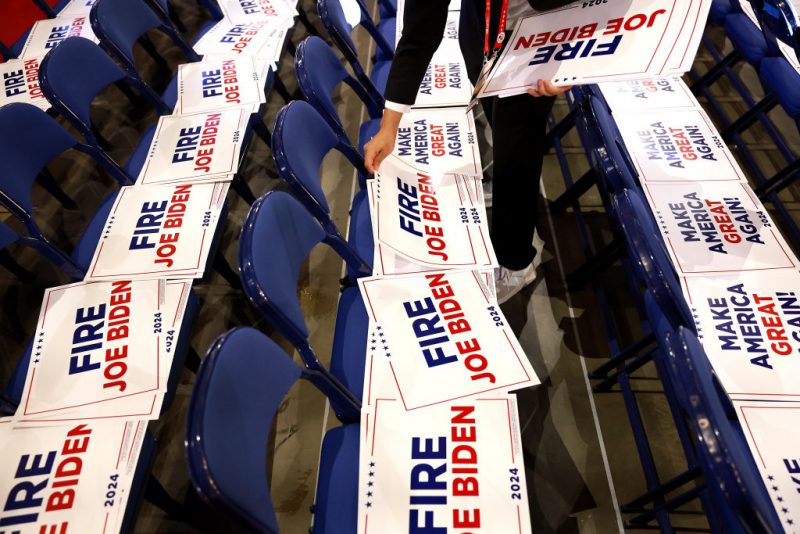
<point x="382" y="144"/>
<point x="547" y="88"/>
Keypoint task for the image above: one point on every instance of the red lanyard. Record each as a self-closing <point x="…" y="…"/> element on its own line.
<point x="498" y="43"/>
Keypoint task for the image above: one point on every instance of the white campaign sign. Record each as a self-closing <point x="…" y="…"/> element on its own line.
<point x="651" y="94"/>
<point x="77" y="8"/>
<point x="434" y="221"/>
<point x="199" y="147"/>
<point x="71" y="478"/>
<point x="439" y="141"/>
<point x="749" y="325"/>
<point x="443" y="338"/>
<point x="445" y="82"/>
<point x="49" y="33"/>
<point x="773" y="432"/>
<point x="455" y="467"/>
<point x="250" y="39"/>
<point x="717" y="227"/>
<point x="277" y="13"/>
<point x="585" y="43"/>
<point x="217" y="84"/>
<point x="20" y="83"/>
<point x="159" y="231"/>
<point x="682" y="145"/>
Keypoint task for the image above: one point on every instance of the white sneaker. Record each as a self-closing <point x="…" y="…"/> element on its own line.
<point x="508" y="283"/>
<point x="487" y="193"/>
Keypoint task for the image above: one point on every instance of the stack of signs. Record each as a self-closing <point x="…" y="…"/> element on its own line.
<point x="256" y="39"/>
<point x="217" y="84"/>
<point x="435" y="409"/>
<point x="159" y="231"/>
<point x="749" y="325"/>
<point x="425" y="222"/>
<point x="773" y="432"/>
<point x="49" y="33"/>
<point x="276" y="13"/>
<point x="588" y="42"/>
<point x="439" y="141"/>
<point x="20" y="83"/>
<point x="103" y="351"/>
<point x="195" y="148"/>
<point x="71" y="478"/>
<point x="633" y="96"/>
<point x="446" y="82"/>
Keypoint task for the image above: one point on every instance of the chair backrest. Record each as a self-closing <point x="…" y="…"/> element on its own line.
<point x="780" y="19"/>
<point x="609" y="148"/>
<point x="648" y="254"/>
<point x="75" y="72"/>
<point x="239" y="387"/>
<point x="119" y="24"/>
<point x="319" y="73"/>
<point x="735" y="485"/>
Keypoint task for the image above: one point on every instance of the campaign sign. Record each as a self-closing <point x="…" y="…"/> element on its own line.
<point x="71" y="478"/>
<point x="277" y="13"/>
<point x="682" y="145"/>
<point x="159" y="231"/>
<point x="584" y="43"/>
<point x="431" y="220"/>
<point x="439" y="141"/>
<point x="445" y="338"/>
<point x="717" y="227"/>
<point x="77" y="8"/>
<point x="456" y="467"/>
<point x="199" y="147"/>
<point x="633" y="96"/>
<point x="20" y="83"/>
<point x="236" y="39"/>
<point x="445" y="82"/>
<point x="217" y="84"/>
<point x="49" y="33"/>
<point x="773" y="432"/>
<point x="749" y="325"/>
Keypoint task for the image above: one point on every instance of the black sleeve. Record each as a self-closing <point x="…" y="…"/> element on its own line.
<point x="424" y="22"/>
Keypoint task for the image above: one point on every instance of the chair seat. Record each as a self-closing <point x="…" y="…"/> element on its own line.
<point x="350" y="341"/>
<point x="360" y="233"/>
<point x="336" y="507"/>
<point x="380" y="74"/>
<point x="387" y="29"/>
<point x="139" y="155"/>
<point x="780" y="79"/>
<point x="83" y="252"/>
<point x="367" y="132"/>
<point x="746" y="38"/>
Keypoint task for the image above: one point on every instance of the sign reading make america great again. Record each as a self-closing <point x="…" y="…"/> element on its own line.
<point x="65" y="479"/>
<point x="717" y="227"/>
<point x="159" y="231"/>
<point x="445" y="339"/>
<point x="452" y="468"/>
<point x="749" y="325"/>
<point x="651" y="94"/>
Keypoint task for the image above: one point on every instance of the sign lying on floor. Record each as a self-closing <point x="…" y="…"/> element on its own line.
<point x="595" y="42"/>
<point x="49" y="33"/>
<point x="19" y="82"/>
<point x="439" y="337"/>
<point x="216" y="84"/>
<point x="749" y="325"/>
<point x="455" y="467"/>
<point x="195" y="148"/>
<point x="717" y="227"/>
<point x="633" y="96"/>
<point x="159" y="231"/>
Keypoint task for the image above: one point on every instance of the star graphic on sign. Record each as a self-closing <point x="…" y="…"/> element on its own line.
<point x="372" y="464"/>
<point x="775" y="488"/>
<point x="380" y="328"/>
<point x="370" y="483"/>
<point x="790" y="521"/>
<point x="372" y="473"/>
<point x="785" y="510"/>
<point x="369" y="504"/>
<point x="780" y="499"/>
<point x="770" y="477"/>
<point x="388" y="354"/>
<point x="382" y="334"/>
<point x="369" y="494"/>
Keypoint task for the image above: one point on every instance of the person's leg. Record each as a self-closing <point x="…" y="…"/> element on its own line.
<point x="519" y="124"/>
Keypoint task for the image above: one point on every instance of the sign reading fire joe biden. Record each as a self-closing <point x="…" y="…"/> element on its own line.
<point x="19" y="82"/>
<point x="717" y="227"/>
<point x="49" y="33"/>
<point x="159" y="231"/>
<point x="442" y="337"/>
<point x="633" y="96"/>
<point x="439" y="141"/>
<point x="246" y="39"/>
<point x="103" y="350"/>
<point x="432" y="220"/>
<point x="200" y="147"/>
<point x="454" y="467"/>
<point x="749" y="325"/>
<point x="773" y="432"/>
<point x="70" y="478"/>
<point x="681" y="145"/>
<point x="217" y="84"/>
<point x="277" y="13"/>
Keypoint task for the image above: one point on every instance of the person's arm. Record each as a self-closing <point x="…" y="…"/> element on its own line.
<point x="424" y="22"/>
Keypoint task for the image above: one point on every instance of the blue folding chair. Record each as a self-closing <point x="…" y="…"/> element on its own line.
<point x="240" y="387"/>
<point x="301" y="140"/>
<point x="741" y="501"/>
<point x="319" y="73"/>
<point x="9" y="237"/>
<point x="332" y="17"/>
<point x="277" y="236"/>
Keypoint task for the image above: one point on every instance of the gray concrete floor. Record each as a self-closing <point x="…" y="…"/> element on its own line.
<point x="580" y="456"/>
